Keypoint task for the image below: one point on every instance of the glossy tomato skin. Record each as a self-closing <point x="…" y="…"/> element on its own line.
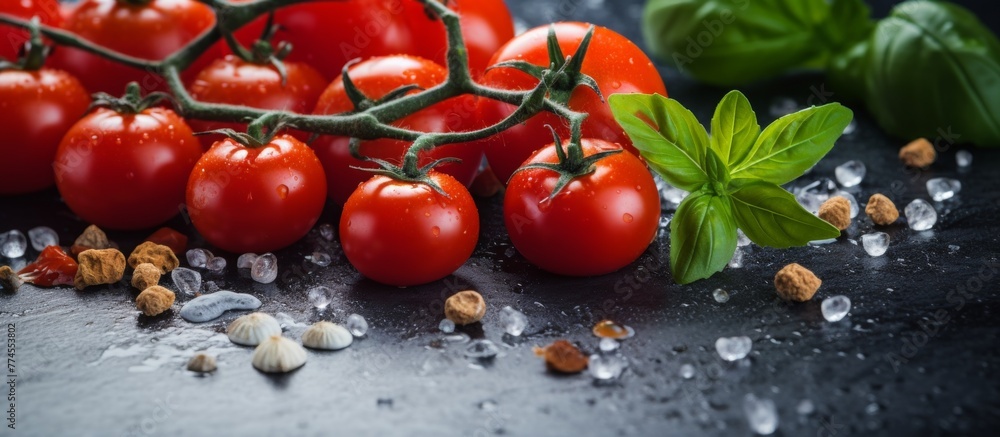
<point x="36" y="109"/>
<point x="403" y="233"/>
<point x="244" y="199"/>
<point x="326" y="35"/>
<point x="486" y="26"/>
<point x="613" y="61"/>
<point x="126" y="171"/>
<point x="234" y="81"/>
<point x="12" y="38"/>
<point x="375" y="78"/>
<point x="597" y="224"/>
<point x="148" y="31"/>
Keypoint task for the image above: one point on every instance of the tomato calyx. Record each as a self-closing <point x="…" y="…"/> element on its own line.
<point x="133" y="102"/>
<point x="572" y="163"/>
<point x="260" y="132"/>
<point x="564" y="73"/>
<point x="34" y="52"/>
<point x="409" y="171"/>
<point x="263" y="51"/>
<point x="361" y="101"/>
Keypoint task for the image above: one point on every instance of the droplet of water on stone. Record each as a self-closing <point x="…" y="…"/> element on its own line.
<point x="741" y="239"/>
<point x="850" y="173"/>
<point x="482" y="349"/>
<point x="514" y="322"/>
<point x="872" y="408"/>
<point x="265" y="268"/>
<point x="198" y="258"/>
<point x="446" y="326"/>
<point x="320" y="296"/>
<point x="687" y="371"/>
<point x="920" y="215"/>
<point x="733" y="348"/>
<point x="326" y="231"/>
<point x="761" y="414"/>
<point x="187" y="281"/>
<point x="875" y="243"/>
<point x="813" y="195"/>
<point x="835" y="308"/>
<point x="246" y="260"/>
<point x="963" y="158"/>
<point x="42" y="237"/>
<point x="953" y="248"/>
<point x="321" y="259"/>
<point x="737" y="261"/>
<point x="805" y="407"/>
<point x="216" y="264"/>
<point x="942" y="189"/>
<point x="13" y="244"/>
<point x="672" y="195"/>
<point x="609" y="345"/>
<point x="605" y="367"/>
<point x="357" y="325"/>
<point x="720" y="295"/>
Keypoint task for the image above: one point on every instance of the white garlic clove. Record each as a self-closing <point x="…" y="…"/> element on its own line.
<point x="202" y="363"/>
<point x="327" y="336"/>
<point x="252" y="329"/>
<point x="278" y="354"/>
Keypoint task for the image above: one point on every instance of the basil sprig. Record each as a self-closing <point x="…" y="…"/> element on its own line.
<point x="733" y="177"/>
<point x="929" y="69"/>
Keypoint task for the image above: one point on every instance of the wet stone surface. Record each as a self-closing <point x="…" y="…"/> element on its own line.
<point x="917" y="355"/>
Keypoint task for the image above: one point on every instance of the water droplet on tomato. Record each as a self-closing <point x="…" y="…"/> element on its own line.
<point x="616" y="84"/>
<point x="427" y="214"/>
<point x="436" y="231"/>
<point x="282" y="191"/>
<point x="627" y="218"/>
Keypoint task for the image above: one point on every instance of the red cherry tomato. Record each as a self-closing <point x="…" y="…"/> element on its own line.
<point x="176" y="241"/>
<point x="12" y="38"/>
<point x="376" y="78"/>
<point x="256" y="199"/>
<point x="150" y="30"/>
<point x="53" y="267"/>
<point x="36" y="110"/>
<point x="237" y="82"/>
<point x="597" y="224"/>
<point x="486" y="26"/>
<point x="613" y="61"/>
<point x="126" y="171"/>
<point x="405" y="233"/>
<point x="326" y="35"/>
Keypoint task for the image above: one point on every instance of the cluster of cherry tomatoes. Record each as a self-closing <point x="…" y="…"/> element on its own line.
<point x="135" y="170"/>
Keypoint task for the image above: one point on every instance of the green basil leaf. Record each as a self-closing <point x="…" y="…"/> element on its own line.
<point x="770" y="216"/>
<point x="702" y="237"/>
<point x="735" y="42"/>
<point x="667" y="135"/>
<point x="716" y="169"/>
<point x="932" y="70"/>
<point x="794" y="143"/>
<point x="734" y="128"/>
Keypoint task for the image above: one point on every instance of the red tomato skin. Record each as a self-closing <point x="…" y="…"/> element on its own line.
<point x="486" y="26"/>
<point x="375" y="78"/>
<point x="126" y="171"/>
<point x="244" y="199"/>
<point x="36" y="109"/>
<point x="596" y="225"/>
<point x="234" y="81"/>
<point x="12" y="38"/>
<point x="151" y="31"/>
<point x="404" y="234"/>
<point x="617" y="65"/>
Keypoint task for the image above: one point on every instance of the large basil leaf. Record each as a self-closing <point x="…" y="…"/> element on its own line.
<point x="733" y="42"/>
<point x="932" y="70"/>
<point x="734" y="128"/>
<point x="794" y="143"/>
<point x="770" y="216"/>
<point x="702" y="237"/>
<point x="667" y="135"/>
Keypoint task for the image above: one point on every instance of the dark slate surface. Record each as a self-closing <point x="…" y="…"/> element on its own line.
<point x="88" y="364"/>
